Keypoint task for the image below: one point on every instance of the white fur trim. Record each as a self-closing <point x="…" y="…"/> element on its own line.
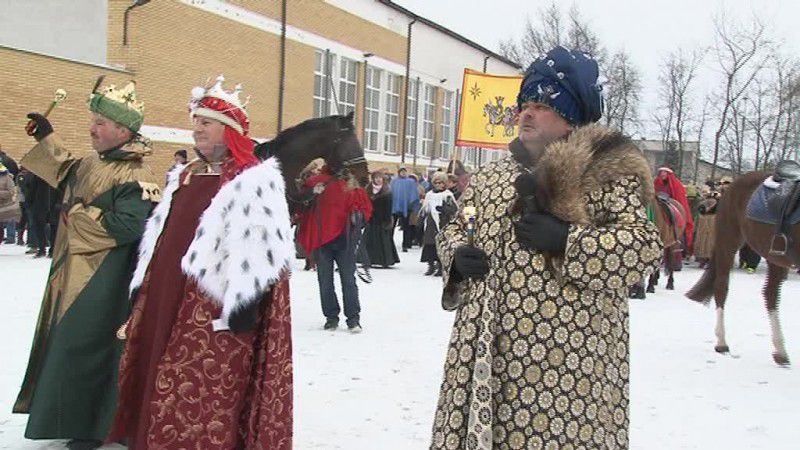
<point x="432" y="201"/>
<point x="244" y="240"/>
<point x="155" y="225"/>
<point x="218" y="116"/>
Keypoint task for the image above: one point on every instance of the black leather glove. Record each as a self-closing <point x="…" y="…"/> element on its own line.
<point x="243" y="320"/>
<point x="470" y="262"/>
<point x="43" y="127"/>
<point x="542" y="232"/>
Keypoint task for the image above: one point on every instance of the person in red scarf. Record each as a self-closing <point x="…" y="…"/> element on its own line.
<point x="329" y="228"/>
<point x="668" y="183"/>
<point x="208" y="357"/>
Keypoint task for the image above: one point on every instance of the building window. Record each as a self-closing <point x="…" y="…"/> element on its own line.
<point x="428" y="117"/>
<point x="322" y="84"/>
<point x="470" y="156"/>
<point x="411" y="117"/>
<point x="446" y="142"/>
<point x="372" y="108"/>
<point x="392" y="113"/>
<point x="347" y="86"/>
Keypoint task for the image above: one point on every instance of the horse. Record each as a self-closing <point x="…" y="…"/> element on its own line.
<point x="733" y="229"/>
<point x="495" y="114"/>
<point x="332" y="138"/>
<point x="670" y="219"/>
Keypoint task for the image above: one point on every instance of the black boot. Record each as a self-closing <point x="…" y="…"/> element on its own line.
<point x="84" y="444"/>
<point x="431" y="268"/>
<point x="438" y="272"/>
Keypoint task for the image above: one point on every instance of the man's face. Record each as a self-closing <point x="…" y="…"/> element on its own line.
<point x="663" y="175"/>
<point x="107" y="134"/>
<point x="403" y="173"/>
<point x="539" y="125"/>
<point x="208" y="135"/>
<point x="179" y="159"/>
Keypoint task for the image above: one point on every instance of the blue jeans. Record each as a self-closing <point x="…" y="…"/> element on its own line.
<point x="11" y="232"/>
<point x="345" y="256"/>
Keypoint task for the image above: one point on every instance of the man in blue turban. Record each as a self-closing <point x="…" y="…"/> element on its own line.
<point x="539" y="351"/>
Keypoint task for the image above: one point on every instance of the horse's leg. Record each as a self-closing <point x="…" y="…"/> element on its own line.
<point x="651" y="282"/>
<point x="669" y="269"/>
<point x="772" y="291"/>
<point x="723" y="262"/>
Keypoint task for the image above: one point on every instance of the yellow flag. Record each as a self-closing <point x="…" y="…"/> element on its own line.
<point x="487" y="115"/>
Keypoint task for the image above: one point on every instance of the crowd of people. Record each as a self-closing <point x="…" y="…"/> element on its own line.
<point x="29" y="209"/>
<point x="166" y="323"/>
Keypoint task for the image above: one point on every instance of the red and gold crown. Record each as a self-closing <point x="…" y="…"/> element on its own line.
<point x="216" y="103"/>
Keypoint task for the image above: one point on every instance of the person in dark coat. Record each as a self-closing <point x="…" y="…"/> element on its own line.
<point x="42" y="207"/>
<point x="9" y="162"/>
<point x="378" y="234"/>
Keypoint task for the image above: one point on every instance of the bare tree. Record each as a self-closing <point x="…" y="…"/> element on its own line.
<point x="624" y="81"/>
<point x="622" y="93"/>
<point x="701" y="124"/>
<point x="678" y="71"/>
<point x="552" y="30"/>
<point x="740" y="54"/>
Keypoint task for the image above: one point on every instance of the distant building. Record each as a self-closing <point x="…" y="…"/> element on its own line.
<point x="693" y="170"/>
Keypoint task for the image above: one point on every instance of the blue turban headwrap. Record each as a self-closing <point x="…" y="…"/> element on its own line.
<point x="567" y="82"/>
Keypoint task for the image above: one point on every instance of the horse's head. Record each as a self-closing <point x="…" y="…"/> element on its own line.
<point x="347" y="155"/>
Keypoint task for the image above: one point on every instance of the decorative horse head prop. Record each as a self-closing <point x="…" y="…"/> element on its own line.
<point x="332" y="138"/>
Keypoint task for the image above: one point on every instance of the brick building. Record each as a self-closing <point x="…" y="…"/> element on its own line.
<point x="340" y="56"/>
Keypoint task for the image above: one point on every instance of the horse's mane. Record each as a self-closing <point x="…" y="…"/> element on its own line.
<point x="302" y="127"/>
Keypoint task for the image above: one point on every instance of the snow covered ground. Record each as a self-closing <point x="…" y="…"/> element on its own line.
<point x="378" y="390"/>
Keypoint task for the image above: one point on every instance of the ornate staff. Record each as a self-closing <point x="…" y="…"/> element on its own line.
<point x="469" y="214"/>
<point x="59" y="97"/>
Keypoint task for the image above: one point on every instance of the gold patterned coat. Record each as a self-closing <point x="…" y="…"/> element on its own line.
<point x="538" y="357"/>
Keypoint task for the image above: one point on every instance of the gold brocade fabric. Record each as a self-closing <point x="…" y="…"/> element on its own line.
<point x="538" y="356"/>
<point x="81" y="243"/>
<point x="704" y="243"/>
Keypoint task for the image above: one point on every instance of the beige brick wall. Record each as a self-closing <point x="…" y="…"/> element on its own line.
<point x="326" y="20"/>
<point x="173" y="47"/>
<point x="28" y="82"/>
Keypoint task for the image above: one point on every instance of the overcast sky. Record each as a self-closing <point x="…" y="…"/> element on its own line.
<point x="647" y="29"/>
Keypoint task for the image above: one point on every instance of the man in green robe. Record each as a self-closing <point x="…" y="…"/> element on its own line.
<point x="69" y="389"/>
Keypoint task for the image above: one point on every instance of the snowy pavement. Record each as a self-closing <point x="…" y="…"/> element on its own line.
<point x="378" y="390"/>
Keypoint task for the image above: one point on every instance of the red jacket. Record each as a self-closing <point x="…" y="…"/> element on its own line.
<point x="329" y="216"/>
<point x="674" y="188"/>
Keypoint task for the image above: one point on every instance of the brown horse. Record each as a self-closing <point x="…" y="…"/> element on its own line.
<point x="671" y="223"/>
<point x="733" y="229"/>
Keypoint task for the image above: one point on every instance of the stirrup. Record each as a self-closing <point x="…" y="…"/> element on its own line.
<point x="776" y="252"/>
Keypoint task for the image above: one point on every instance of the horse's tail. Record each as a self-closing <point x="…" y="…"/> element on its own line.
<point x="703" y="290"/>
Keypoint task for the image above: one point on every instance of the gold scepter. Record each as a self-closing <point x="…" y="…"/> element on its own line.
<point x="59" y="97"/>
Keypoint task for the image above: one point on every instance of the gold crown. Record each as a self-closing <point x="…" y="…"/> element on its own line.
<point x="125" y="96"/>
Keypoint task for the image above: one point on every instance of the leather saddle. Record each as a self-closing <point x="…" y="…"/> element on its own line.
<point x="784" y="205"/>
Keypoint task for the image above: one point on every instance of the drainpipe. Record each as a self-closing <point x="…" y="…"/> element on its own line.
<point x="135" y="4"/>
<point x="282" y="77"/>
<point x="405" y="101"/>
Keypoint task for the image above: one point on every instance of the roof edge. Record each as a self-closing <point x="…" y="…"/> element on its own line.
<point x="449" y="32"/>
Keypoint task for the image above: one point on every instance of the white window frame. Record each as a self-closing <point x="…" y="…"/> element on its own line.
<point x="372" y="108"/>
<point x="428" y="120"/>
<point x="319" y="89"/>
<point x="348" y="85"/>
<point x="391" y="110"/>
<point x="446" y="127"/>
<point x="412" y="116"/>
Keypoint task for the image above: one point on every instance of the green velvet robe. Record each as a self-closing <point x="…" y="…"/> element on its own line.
<point x="69" y="388"/>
